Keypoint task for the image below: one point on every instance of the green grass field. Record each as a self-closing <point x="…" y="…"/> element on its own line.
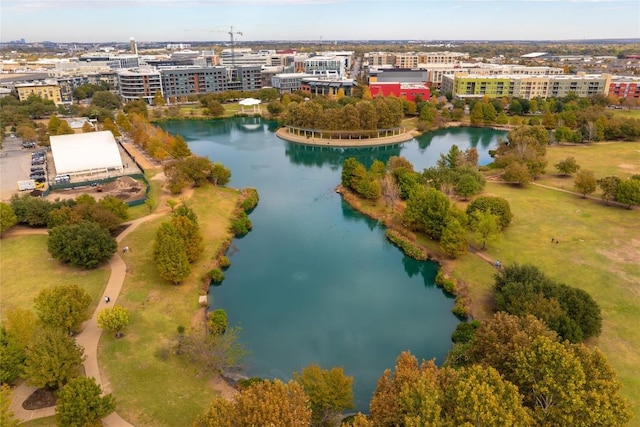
<point x="599" y="251"/>
<point x="151" y="385"/>
<point x="27" y="268"/>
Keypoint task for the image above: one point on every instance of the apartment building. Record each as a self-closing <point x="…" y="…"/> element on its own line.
<point x="327" y="86"/>
<point x="465" y="85"/>
<point x="47" y="89"/>
<point x="288" y="82"/>
<point x="139" y="83"/>
<point x="625" y="87"/>
<point x="413" y="59"/>
<point x="183" y="81"/>
<point x="328" y="66"/>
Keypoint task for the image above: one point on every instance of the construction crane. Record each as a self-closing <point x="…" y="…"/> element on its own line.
<point x="231" y="35"/>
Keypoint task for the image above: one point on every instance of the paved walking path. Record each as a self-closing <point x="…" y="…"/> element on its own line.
<point x="90" y="335"/>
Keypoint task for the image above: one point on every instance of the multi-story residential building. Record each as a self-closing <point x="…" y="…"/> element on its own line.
<point x="288" y="82"/>
<point x="393" y="75"/>
<point x="327" y="86"/>
<point x="328" y="66"/>
<point x="47" y="89"/>
<point x="139" y="83"/>
<point x="413" y="59"/>
<point x="183" y="81"/>
<point x="408" y="91"/>
<point x="625" y="87"/>
<point x="464" y="85"/>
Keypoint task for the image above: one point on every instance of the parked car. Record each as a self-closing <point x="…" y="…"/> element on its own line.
<point x="28" y="144"/>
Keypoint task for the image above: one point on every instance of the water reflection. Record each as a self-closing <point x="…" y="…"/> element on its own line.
<point x="312" y="155"/>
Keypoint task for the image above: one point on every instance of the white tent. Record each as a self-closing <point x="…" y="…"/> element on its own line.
<point x="85" y="153"/>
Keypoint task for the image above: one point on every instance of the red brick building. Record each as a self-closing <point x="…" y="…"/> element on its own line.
<point x="625" y="87"/>
<point x="408" y="91"/>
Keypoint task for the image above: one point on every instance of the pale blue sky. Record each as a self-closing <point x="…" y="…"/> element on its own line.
<point x="179" y="20"/>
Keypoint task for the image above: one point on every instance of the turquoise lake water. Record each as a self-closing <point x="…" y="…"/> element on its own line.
<point x="315" y="281"/>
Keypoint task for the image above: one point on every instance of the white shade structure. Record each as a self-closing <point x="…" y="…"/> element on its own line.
<point x="251" y="102"/>
<point x="85" y="153"/>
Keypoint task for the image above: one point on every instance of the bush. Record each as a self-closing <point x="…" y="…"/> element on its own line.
<point x="461" y="309"/>
<point x="465" y="332"/>
<point x="408" y="247"/>
<point x="448" y="285"/>
<point x="224" y="262"/>
<point x="250" y="200"/>
<point x="217" y="321"/>
<point x="216" y="275"/>
<point x="241" y="225"/>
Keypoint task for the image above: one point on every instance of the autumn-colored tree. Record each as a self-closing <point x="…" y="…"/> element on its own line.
<point x="88" y="127"/>
<point x="585" y="182"/>
<point x="516" y="173"/>
<point x="608" y="185"/>
<point x="189" y="232"/>
<point x="114" y="319"/>
<point x="265" y="403"/>
<point x="8" y="217"/>
<point x="330" y="392"/>
<point x="477" y="114"/>
<point x="52" y="359"/>
<point x="108" y="124"/>
<point x="158" y="99"/>
<point x="567" y="166"/>
<point x="64" y="307"/>
<point x="628" y="192"/>
<point x="80" y="403"/>
<point x="7" y="417"/>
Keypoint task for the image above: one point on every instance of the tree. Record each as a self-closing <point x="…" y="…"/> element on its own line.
<point x="628" y="192"/>
<point x="477" y="114"/>
<point x="212" y="353"/>
<point x="64" y="307"/>
<point x="52" y="359"/>
<point x="158" y="100"/>
<point x="7" y="418"/>
<point x="12" y="357"/>
<point x="87" y="127"/>
<point x="479" y="396"/>
<point x="608" y="185"/>
<point x="467" y="186"/>
<point x="81" y="404"/>
<point x="352" y="172"/>
<point x="110" y="125"/>
<point x="495" y="205"/>
<point x="485" y="226"/>
<point x="189" y="231"/>
<point x="330" y="392"/>
<point x="265" y="403"/>
<point x="567" y="166"/>
<point x="220" y="174"/>
<point x="215" y="109"/>
<point x="454" y="241"/>
<point x="7" y="217"/>
<point x="106" y="99"/>
<point x="517" y="173"/>
<point x="585" y="182"/>
<point x="217" y="321"/>
<point x="114" y="319"/>
<point x="179" y="149"/>
<point x="435" y="213"/>
<point x="86" y="244"/>
<point x="170" y="255"/>
<point x="390" y="191"/>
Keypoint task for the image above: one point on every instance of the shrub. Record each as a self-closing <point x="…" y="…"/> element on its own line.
<point x="408" y="247"/>
<point x="216" y="275"/>
<point x="241" y="225"/>
<point x="250" y="200"/>
<point x="461" y="309"/>
<point x="217" y="321"/>
<point x="448" y="285"/>
<point x="224" y="262"/>
<point x="465" y="332"/>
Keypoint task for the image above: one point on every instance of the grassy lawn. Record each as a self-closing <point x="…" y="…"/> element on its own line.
<point x="628" y="113"/>
<point x="41" y="422"/>
<point x="151" y="385"/>
<point x="622" y="159"/>
<point x="598" y="252"/>
<point x="27" y="268"/>
<point x="155" y="192"/>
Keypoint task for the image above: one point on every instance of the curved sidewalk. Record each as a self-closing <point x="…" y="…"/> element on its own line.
<point x="90" y="335"/>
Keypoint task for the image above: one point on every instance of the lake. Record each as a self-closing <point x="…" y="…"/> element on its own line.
<point x="315" y="281"/>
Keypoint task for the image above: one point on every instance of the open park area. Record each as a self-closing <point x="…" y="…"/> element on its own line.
<point x="598" y="251"/>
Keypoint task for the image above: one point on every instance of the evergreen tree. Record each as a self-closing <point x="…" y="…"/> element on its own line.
<point x="80" y="403"/>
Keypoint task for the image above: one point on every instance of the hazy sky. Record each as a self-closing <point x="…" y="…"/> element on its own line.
<point x="179" y="20"/>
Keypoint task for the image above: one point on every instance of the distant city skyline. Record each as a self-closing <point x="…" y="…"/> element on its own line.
<point x="102" y="21"/>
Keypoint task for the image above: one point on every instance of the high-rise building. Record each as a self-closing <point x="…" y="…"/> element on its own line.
<point x="133" y="46"/>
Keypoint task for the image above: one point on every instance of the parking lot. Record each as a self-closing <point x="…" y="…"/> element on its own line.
<point x="15" y="165"/>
